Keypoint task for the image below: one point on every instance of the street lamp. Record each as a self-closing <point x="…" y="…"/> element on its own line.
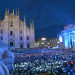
<point x="43" y="39"/>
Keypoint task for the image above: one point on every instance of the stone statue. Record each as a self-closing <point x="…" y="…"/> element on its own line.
<point x="6" y="59"/>
<point x="3" y="69"/>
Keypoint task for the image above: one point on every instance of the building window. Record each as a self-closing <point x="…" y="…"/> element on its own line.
<point x="1" y="38"/>
<point x="27" y="38"/>
<point x="11" y="43"/>
<point x="21" y="38"/>
<point x="20" y="31"/>
<point x="11" y="32"/>
<point x="11" y="23"/>
<point x="1" y="31"/>
<point x="21" y="46"/>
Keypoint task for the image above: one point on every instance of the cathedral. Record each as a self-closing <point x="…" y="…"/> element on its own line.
<point x="14" y="32"/>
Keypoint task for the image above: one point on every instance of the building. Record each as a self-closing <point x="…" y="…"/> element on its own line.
<point x="67" y="37"/>
<point x="14" y="32"/>
<point x="47" y="42"/>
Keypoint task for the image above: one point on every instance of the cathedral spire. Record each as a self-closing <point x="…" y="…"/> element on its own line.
<point x="24" y="19"/>
<point x="32" y="25"/>
<point x="13" y="11"/>
<point x="6" y="13"/>
<point x="0" y="20"/>
<point x="16" y="12"/>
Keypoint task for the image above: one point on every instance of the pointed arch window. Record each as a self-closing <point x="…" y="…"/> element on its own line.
<point x="28" y="46"/>
<point x="21" y="46"/>
<point x="21" y="38"/>
<point x="11" y="23"/>
<point x="1" y="31"/>
<point x="20" y="31"/>
<point x="27" y="38"/>
<point x="11" y="32"/>
<point x="1" y="38"/>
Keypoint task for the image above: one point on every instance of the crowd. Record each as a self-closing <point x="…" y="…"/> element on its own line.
<point x="32" y="62"/>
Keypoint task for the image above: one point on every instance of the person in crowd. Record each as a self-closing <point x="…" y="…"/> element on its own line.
<point x="39" y="61"/>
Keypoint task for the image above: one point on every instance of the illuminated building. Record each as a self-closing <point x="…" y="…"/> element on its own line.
<point x="14" y="32"/>
<point x="67" y="37"/>
<point x="47" y="42"/>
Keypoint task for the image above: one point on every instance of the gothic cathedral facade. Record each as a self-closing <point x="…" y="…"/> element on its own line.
<point x="14" y="32"/>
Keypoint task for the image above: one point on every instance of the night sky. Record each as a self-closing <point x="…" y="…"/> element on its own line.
<point x="50" y="16"/>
